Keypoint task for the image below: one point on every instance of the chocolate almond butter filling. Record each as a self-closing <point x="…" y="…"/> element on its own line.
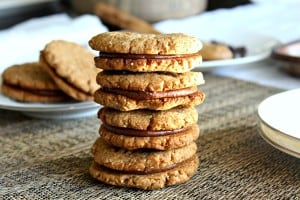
<point x="141" y="95"/>
<point x="142" y="133"/>
<point x="35" y="91"/>
<point x="152" y="171"/>
<point x="144" y="56"/>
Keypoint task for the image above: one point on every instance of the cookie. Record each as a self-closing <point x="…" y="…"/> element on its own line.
<point x="215" y="51"/>
<point x="72" y="68"/>
<point x="138" y="43"/>
<point x="149" y="82"/>
<point x="140" y="161"/>
<point x="126" y="100"/>
<point x="29" y="82"/>
<point x="121" y="19"/>
<point x="176" y="175"/>
<point x="175" y="118"/>
<point x="138" y="52"/>
<point x="138" y="139"/>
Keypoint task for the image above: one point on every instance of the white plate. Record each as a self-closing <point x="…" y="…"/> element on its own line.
<point x="279" y="121"/>
<point x="66" y="110"/>
<point x="258" y="47"/>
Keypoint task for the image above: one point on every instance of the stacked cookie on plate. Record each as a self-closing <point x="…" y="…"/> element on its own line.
<point x="149" y="123"/>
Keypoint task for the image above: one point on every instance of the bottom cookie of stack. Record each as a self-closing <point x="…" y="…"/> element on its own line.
<point x="143" y="169"/>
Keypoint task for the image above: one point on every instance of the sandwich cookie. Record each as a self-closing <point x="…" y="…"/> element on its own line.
<point x="139" y="129"/>
<point x="30" y="82"/>
<point x="155" y="91"/>
<point x="146" y="52"/>
<point x="143" y="169"/>
<point x="177" y="175"/>
<point x="72" y="68"/>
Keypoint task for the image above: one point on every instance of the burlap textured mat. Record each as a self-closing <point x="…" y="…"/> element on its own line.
<point x="44" y="159"/>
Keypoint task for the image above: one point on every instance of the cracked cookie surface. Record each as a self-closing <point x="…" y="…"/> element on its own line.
<point x="72" y="68"/>
<point x="175" y="118"/>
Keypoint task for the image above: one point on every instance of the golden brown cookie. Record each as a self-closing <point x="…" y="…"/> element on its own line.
<point x="176" y="175"/>
<point x="139" y="52"/>
<point x="29" y="82"/>
<point x="211" y="51"/>
<point x="138" y="43"/>
<point x="72" y="68"/>
<point x="142" y="161"/>
<point x="175" y="118"/>
<point x="162" y="101"/>
<point x="162" y="140"/>
<point x="149" y="82"/>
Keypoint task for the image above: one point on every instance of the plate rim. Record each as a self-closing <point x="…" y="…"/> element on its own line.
<point x="275" y="144"/>
<point x="55" y="107"/>
<point x="270" y="125"/>
<point x="278" y="134"/>
<point x="209" y="65"/>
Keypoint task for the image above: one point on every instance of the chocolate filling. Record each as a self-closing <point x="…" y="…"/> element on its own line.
<point x="124" y="72"/>
<point x="144" y="56"/>
<point x="141" y="95"/>
<point x="36" y="91"/>
<point x="142" y="133"/>
<point x="151" y="171"/>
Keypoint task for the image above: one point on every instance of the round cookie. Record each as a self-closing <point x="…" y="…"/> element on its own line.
<point x="139" y="52"/>
<point x="175" y="118"/>
<point x="161" y="142"/>
<point x="124" y="103"/>
<point x="177" y="175"/>
<point x="211" y="51"/>
<point x="139" y="43"/>
<point x="72" y="68"/>
<point x="29" y="82"/>
<point x="149" y="82"/>
<point x="142" y="161"/>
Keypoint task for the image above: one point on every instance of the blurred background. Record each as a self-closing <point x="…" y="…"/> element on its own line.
<point x="15" y="11"/>
<point x="257" y="25"/>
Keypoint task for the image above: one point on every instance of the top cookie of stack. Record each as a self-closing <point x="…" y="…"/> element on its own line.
<point x="146" y="52"/>
<point x="167" y="59"/>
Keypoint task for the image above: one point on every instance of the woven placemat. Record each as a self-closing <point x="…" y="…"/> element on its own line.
<point x="49" y="159"/>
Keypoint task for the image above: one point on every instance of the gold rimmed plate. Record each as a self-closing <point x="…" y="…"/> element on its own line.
<point x="279" y="121"/>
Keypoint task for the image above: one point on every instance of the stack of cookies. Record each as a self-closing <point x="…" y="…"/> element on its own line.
<point x="149" y="123"/>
